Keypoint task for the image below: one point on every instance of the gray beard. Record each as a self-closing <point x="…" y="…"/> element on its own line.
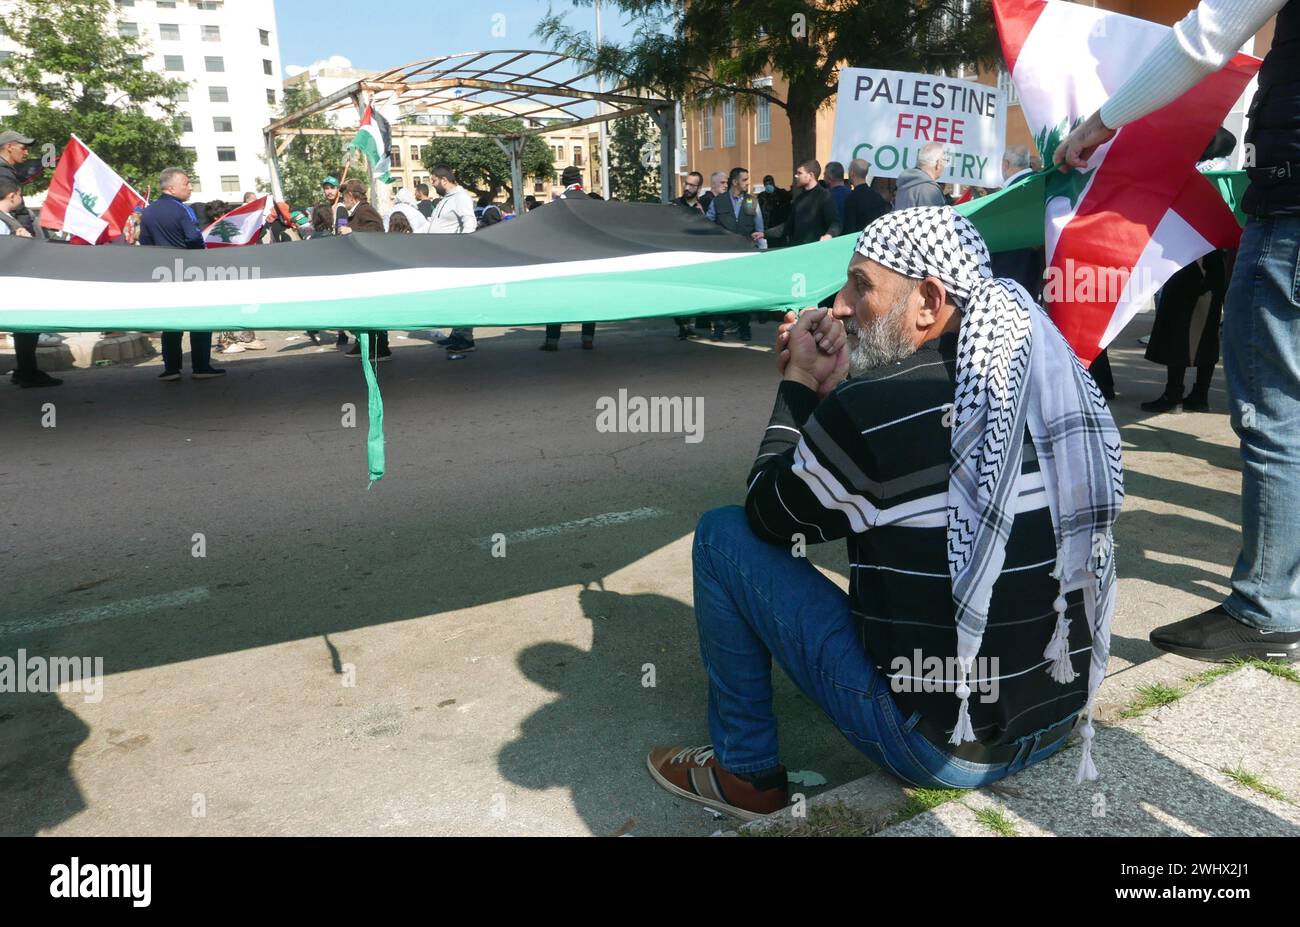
<point x="881" y="342"/>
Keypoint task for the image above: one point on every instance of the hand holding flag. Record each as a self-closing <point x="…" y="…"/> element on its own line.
<point x="87" y="199"/>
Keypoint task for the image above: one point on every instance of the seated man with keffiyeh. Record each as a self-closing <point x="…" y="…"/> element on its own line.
<point x="936" y="420"/>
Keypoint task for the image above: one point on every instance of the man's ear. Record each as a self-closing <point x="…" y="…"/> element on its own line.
<point x="933" y="295"/>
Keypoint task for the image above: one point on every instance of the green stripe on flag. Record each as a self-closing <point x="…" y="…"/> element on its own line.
<point x="375" y="438"/>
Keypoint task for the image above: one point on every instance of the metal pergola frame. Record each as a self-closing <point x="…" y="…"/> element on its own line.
<point x="480" y="83"/>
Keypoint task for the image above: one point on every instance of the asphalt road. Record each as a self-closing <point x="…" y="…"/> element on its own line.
<point x="345" y="660"/>
<point x="353" y="661"/>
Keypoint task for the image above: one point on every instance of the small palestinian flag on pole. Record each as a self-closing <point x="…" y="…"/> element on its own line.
<point x="242" y="226"/>
<point x="87" y="199"/>
<point x="374" y="140"/>
<point x="1118" y="230"/>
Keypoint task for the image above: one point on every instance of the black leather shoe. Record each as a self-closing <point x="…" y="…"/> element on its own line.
<point x="1217" y="637"/>
<point x="1196" y="402"/>
<point x="1165" y="403"/>
<point x="34" y="380"/>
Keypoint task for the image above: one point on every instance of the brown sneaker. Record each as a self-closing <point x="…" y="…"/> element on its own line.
<point x="694" y="773"/>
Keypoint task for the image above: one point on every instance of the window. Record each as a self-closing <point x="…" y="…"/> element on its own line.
<point x="729" y="122"/>
<point x="169" y="32"/>
<point x="559" y="153"/>
<point x="229" y="183"/>
<point x="264" y="36"/>
<point x="218" y="95"/>
<point x="192" y="152"/>
<point x="214" y="63"/>
<point x="415" y="154"/>
<point x="128" y="30"/>
<point x="538" y="186"/>
<point x="763" y="120"/>
<point x="577" y="155"/>
<point x="208" y="5"/>
<point x="1008" y="86"/>
<point x="270" y="95"/>
<point x="210" y="33"/>
<point x="395" y="156"/>
<point x="184" y="95"/>
<point x="195" y="186"/>
<point x="221" y="124"/>
<point x="184" y="124"/>
<point x="266" y="67"/>
<point x="123" y="4"/>
<point x="8" y="93"/>
<point x="166" y="4"/>
<point x="225" y="154"/>
<point x="173" y="62"/>
<point x="706" y="127"/>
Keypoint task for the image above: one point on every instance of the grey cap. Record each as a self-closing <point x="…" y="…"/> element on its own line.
<point x="11" y="136"/>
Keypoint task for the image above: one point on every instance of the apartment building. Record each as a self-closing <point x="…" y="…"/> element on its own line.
<point x="228" y="52"/>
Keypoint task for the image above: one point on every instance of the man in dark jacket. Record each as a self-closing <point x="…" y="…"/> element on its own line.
<point x="323" y="215"/>
<point x="864" y="204"/>
<point x="813" y="216"/>
<point x="25" y="372"/>
<point x="690" y="198"/>
<point x="169" y="222"/>
<point x="13" y="152"/>
<point x="919" y="186"/>
<point x="362" y="217"/>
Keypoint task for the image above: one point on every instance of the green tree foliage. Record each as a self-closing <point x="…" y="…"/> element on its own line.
<point x="75" y="74"/>
<point x="632" y="179"/>
<point x="480" y="164"/>
<point x="705" y="50"/>
<point x="308" y="159"/>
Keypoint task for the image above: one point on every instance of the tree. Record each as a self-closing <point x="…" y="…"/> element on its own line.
<point x="703" y="51"/>
<point x="307" y="159"/>
<point x="75" y="75"/>
<point x="634" y="159"/>
<point x="480" y="164"/>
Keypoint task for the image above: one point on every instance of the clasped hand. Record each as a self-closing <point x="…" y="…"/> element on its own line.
<point x="812" y="349"/>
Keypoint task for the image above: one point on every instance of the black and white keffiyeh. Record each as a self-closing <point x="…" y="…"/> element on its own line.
<point x="1014" y="370"/>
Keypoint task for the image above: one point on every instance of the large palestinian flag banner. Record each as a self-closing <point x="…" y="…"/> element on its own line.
<point x="571" y="259"/>
<point x="1116" y="231"/>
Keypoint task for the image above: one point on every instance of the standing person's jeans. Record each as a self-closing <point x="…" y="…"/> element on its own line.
<point x="200" y="350"/>
<point x="1261" y="360"/>
<point x="754" y="601"/>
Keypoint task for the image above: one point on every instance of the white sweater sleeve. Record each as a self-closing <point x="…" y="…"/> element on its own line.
<point x="1202" y="43"/>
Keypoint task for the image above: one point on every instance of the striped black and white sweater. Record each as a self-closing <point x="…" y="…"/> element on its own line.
<point x="870" y="464"/>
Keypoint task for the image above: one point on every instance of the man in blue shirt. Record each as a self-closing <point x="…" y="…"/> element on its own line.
<point x="169" y="222"/>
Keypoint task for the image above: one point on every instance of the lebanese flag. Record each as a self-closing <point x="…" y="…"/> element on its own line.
<point x="86" y="198"/>
<point x="1118" y="230"/>
<point x="242" y="226"/>
<point x="374" y="140"/>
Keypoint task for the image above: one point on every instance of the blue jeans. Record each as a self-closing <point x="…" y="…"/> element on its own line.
<point x="1261" y="360"/>
<point x="754" y="601"/>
